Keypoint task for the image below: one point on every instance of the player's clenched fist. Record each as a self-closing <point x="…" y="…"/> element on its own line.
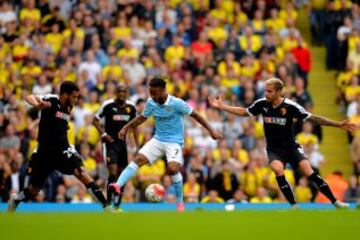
<point x="122" y="133"/>
<point x="44" y="104"/>
<point x="216" y="135"/>
<point x="107" y="138"/>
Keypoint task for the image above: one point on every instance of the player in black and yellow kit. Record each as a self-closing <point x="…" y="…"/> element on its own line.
<point x="278" y="113"/>
<point x="54" y="151"/>
<point x="116" y="114"/>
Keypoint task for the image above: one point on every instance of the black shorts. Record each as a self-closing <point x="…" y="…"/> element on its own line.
<point x="293" y="155"/>
<point x="43" y="162"/>
<point x="116" y="153"/>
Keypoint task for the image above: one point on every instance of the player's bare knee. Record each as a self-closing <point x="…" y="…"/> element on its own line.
<point x="306" y="168"/>
<point x="277" y="167"/>
<point x="173" y="168"/>
<point x="279" y="171"/>
<point x="78" y="172"/>
<point x="140" y="160"/>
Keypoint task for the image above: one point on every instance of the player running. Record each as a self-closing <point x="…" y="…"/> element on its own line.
<point x="54" y="151"/>
<point x="168" y="112"/>
<point x="278" y="113"/>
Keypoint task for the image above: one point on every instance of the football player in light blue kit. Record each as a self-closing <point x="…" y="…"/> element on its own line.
<point x="168" y="112"/>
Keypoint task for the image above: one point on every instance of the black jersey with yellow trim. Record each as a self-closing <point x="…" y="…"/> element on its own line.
<point x="278" y="121"/>
<point x="53" y="125"/>
<point x="115" y="116"/>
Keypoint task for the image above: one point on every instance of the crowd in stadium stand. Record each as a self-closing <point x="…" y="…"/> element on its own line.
<point x="336" y="25"/>
<point x="203" y="47"/>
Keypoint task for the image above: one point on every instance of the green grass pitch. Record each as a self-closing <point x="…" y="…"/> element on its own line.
<point x="266" y="225"/>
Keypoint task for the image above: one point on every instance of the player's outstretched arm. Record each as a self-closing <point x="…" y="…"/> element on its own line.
<point x="214" y="134"/>
<point x="132" y="124"/>
<point x="36" y="101"/>
<point x="219" y="104"/>
<point x="346" y="124"/>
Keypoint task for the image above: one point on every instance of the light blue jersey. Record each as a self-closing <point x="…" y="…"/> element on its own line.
<point x="169" y="118"/>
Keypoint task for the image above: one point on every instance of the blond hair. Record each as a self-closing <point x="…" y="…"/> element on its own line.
<point x="276" y="82"/>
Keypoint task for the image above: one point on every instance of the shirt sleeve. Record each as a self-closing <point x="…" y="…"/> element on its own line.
<point x="256" y="108"/>
<point x="100" y="113"/>
<point x="147" y="110"/>
<point x="297" y="111"/>
<point x="47" y="97"/>
<point x="183" y="107"/>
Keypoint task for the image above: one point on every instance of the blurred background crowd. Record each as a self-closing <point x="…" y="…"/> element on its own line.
<point x="203" y="47"/>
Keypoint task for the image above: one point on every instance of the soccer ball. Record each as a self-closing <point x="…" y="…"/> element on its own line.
<point x="155" y="193"/>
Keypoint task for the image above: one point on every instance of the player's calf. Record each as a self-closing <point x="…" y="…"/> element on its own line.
<point x="285" y="188"/>
<point x="96" y="192"/>
<point x="323" y="186"/>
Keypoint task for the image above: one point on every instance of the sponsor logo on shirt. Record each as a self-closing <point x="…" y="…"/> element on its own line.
<point x="168" y="109"/>
<point x="119" y="117"/>
<point x="62" y="115"/>
<point x="164" y="118"/>
<point x="275" y="120"/>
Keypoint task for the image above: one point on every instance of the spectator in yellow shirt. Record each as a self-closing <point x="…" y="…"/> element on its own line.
<point x="218" y="12"/>
<point x="191" y="189"/>
<point x="261" y="196"/>
<point x="55" y="39"/>
<point x="212" y="197"/>
<point x="74" y="35"/>
<point x="112" y="71"/>
<point x="93" y="104"/>
<point x="175" y="52"/>
<point x="291" y="41"/>
<point x="241" y="19"/>
<point x="215" y="32"/>
<point x="306" y="136"/>
<point x="302" y="191"/>
<point x="250" y="66"/>
<point x="89" y="162"/>
<point x="289" y="13"/>
<point x="229" y="63"/>
<point x="30" y="13"/>
<point x="127" y="52"/>
<point x="249" y="42"/>
<point x="30" y="72"/>
<point x="20" y="49"/>
<point x="239" y="153"/>
<point x="200" y="4"/>
<point x="352" y="89"/>
<point x="258" y="23"/>
<point x="121" y="31"/>
<point x="275" y="22"/>
<point x="88" y="133"/>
